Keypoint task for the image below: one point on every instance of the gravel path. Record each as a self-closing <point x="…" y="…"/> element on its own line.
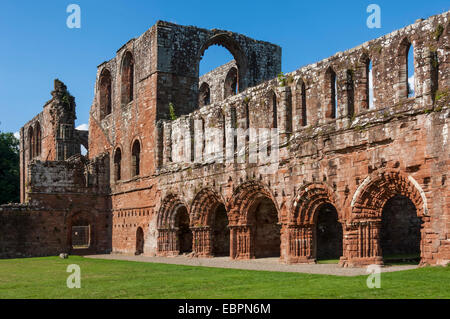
<point x="266" y="264"/>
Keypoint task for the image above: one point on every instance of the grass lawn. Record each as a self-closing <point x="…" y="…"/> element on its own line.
<point x="46" y="278"/>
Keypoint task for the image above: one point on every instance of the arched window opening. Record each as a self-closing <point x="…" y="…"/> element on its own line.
<point x="331" y="93"/>
<point x="30" y="143"/>
<point x="435" y="61"/>
<point x="273" y="104"/>
<point x="204" y="95"/>
<point x="136" y="159"/>
<point x="127" y="78"/>
<point x="400" y="233"/>
<point x="118" y="165"/>
<point x="301" y="103"/>
<point x="411" y="73"/>
<point x="328" y="234"/>
<point x="350" y="94"/>
<point x="38" y="134"/>
<point x="369" y="72"/>
<point x="231" y="83"/>
<point x="139" y="241"/>
<point x="105" y="94"/>
<point x="220" y="58"/>
<point x="406" y="74"/>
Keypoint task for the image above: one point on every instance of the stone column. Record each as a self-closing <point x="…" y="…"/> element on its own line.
<point x="428" y="84"/>
<point x="300" y="247"/>
<point x="241" y="245"/>
<point x="167" y="140"/>
<point x="168" y="242"/>
<point x="202" y="245"/>
<point x="361" y="244"/>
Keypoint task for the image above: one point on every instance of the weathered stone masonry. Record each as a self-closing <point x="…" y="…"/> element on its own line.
<point x="343" y="172"/>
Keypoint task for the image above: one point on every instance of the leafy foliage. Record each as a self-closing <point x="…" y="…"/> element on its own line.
<point x="9" y="168"/>
<point x="172" y="114"/>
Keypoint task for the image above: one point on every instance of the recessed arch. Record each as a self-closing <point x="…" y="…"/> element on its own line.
<point x="139" y="241"/>
<point x="31" y="146"/>
<point x="127" y="78"/>
<point x="331" y="93"/>
<point x="301" y="102"/>
<point x="243" y="198"/>
<point x="307" y="200"/>
<point x="118" y="164"/>
<point x="371" y="196"/>
<point x="38" y="139"/>
<point x="231" y="86"/>
<point x="166" y="216"/>
<point x="105" y="93"/>
<point x="136" y="158"/>
<point x="204" y="97"/>
<point x="406" y="74"/>
<point x="204" y="204"/>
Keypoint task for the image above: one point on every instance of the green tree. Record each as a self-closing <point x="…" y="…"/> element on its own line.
<point x="9" y="169"/>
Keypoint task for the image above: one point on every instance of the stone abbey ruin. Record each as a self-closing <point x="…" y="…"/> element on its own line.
<point x="353" y="180"/>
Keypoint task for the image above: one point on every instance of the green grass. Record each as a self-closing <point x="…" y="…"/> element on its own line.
<point x="46" y="278"/>
<point x="328" y="261"/>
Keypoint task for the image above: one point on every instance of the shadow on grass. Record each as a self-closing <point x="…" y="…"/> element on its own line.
<point x="401" y="260"/>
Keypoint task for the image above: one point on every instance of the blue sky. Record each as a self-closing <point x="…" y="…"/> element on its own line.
<point x="37" y="46"/>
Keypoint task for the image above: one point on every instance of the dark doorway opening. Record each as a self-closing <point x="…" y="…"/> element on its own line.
<point x="328" y="234"/>
<point x="266" y="230"/>
<point x="184" y="232"/>
<point x="139" y="241"/>
<point x="220" y="232"/>
<point x="400" y="231"/>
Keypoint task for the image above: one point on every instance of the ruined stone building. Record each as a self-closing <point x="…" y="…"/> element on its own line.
<point x="170" y="167"/>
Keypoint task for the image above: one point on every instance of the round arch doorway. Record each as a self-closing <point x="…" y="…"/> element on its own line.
<point x="400" y="234"/>
<point x="139" y="241"/>
<point x="328" y="234"/>
<point x="184" y="233"/>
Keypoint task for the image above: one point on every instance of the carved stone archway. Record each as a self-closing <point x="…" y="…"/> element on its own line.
<point x="362" y="231"/>
<point x="300" y="231"/>
<point x="203" y="210"/>
<point x="242" y="225"/>
<point x="168" y="228"/>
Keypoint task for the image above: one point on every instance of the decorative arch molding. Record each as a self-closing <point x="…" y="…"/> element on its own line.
<point x="167" y="210"/>
<point x="203" y="206"/>
<point x="371" y="196"/>
<point x="243" y="199"/>
<point x="308" y="199"/>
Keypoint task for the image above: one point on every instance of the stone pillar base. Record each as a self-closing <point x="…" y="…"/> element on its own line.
<point x="360" y="262"/>
<point x="168" y="253"/>
<point x="300" y="260"/>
